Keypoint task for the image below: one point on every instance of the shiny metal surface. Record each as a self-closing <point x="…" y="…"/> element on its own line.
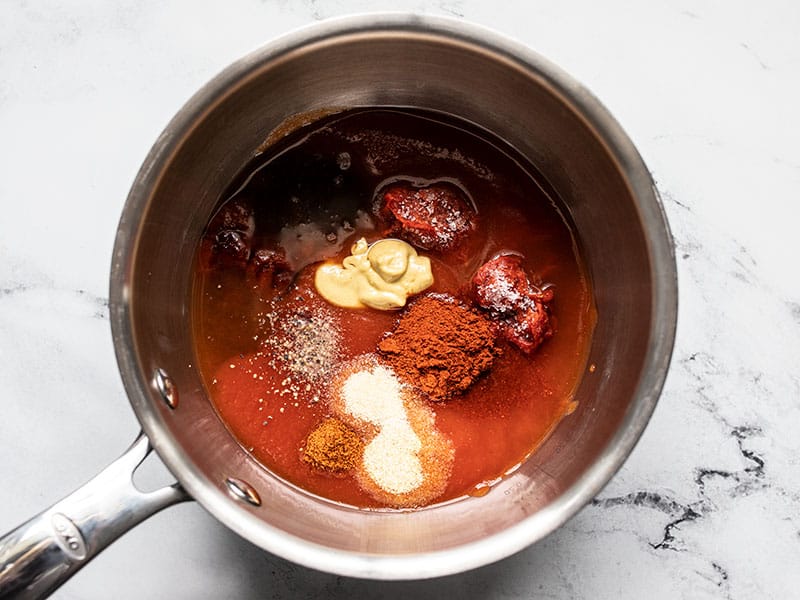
<point x="41" y="554"/>
<point x="241" y="490"/>
<point x="166" y="387"/>
<point x="441" y="65"/>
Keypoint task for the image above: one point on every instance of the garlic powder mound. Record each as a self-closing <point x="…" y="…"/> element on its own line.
<point x="406" y="461"/>
<point x="391" y="459"/>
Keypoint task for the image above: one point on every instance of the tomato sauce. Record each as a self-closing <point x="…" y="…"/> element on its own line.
<point x="312" y="195"/>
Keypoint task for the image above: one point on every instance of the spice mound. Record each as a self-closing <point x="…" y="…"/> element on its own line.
<point x="305" y="344"/>
<point x="519" y="309"/>
<point x="436" y="217"/>
<point x="333" y="446"/>
<point x="406" y="461"/>
<point x="440" y="346"/>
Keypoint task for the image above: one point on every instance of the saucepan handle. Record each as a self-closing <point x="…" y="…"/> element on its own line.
<point x="42" y="553"/>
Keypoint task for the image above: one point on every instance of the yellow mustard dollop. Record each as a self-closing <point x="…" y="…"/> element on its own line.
<point x="381" y="275"/>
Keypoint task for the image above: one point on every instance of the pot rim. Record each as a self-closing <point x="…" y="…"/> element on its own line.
<point x="664" y="304"/>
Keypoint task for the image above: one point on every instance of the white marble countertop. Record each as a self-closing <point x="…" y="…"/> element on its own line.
<point x="707" y="506"/>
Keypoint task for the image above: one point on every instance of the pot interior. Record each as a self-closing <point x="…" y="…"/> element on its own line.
<point x="531" y="105"/>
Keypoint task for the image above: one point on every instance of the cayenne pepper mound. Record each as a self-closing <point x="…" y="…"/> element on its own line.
<point x="333" y="446"/>
<point x="440" y="346"/>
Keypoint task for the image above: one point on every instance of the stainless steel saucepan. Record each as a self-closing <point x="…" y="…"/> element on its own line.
<point x="390" y="60"/>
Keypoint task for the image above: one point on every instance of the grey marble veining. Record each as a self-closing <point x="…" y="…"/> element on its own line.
<point x="707" y="506"/>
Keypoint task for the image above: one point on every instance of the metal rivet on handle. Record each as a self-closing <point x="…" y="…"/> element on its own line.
<point x="241" y="490"/>
<point x="166" y="387"/>
<point x="68" y="537"/>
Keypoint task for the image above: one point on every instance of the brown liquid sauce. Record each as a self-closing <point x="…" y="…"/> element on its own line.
<point x="319" y="183"/>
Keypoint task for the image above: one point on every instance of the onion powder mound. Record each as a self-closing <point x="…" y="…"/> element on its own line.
<point x="406" y="461"/>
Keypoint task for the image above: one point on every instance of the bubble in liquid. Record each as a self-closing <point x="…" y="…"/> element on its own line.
<point x="343" y="160"/>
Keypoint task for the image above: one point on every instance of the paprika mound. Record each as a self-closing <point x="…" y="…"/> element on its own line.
<point x="440" y="346"/>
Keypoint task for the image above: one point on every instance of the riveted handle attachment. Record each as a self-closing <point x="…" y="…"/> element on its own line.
<point x="41" y="554"/>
